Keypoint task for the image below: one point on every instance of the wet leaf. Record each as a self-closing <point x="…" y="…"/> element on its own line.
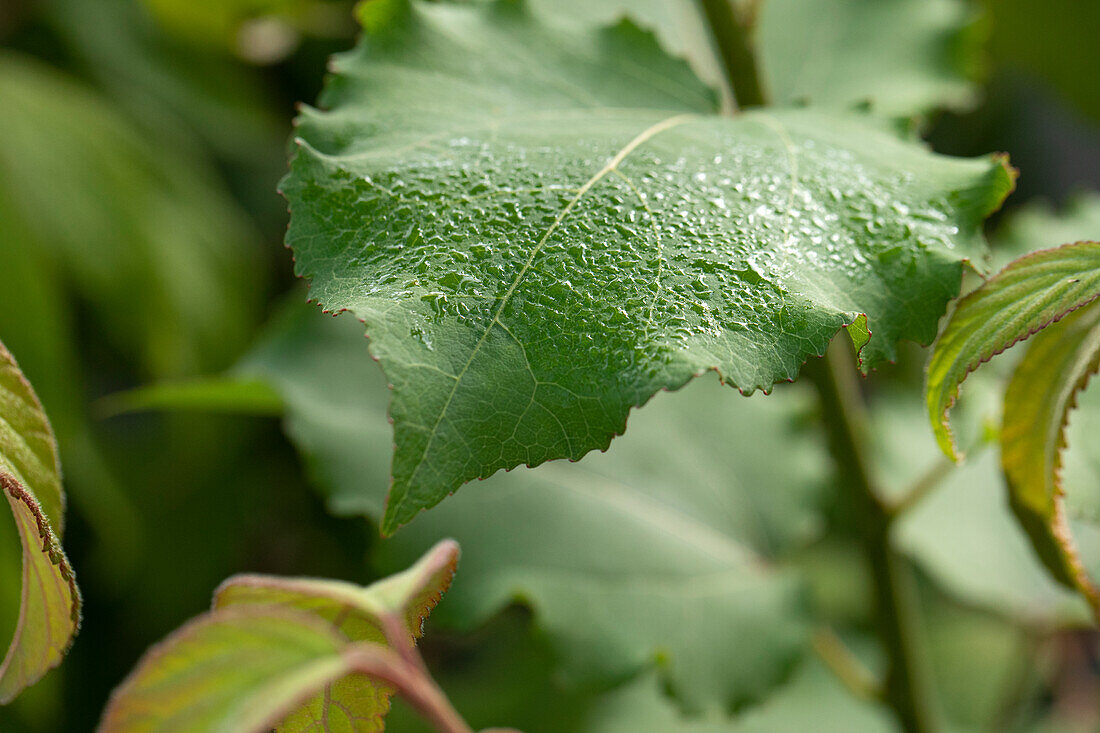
<point x="539" y="241"/>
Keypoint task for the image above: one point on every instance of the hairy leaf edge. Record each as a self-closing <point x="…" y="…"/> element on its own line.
<point x="941" y="422"/>
<point x="1060" y="530"/>
<point x="51" y="546"/>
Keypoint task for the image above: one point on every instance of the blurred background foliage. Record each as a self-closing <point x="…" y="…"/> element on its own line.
<point x="140" y="241"/>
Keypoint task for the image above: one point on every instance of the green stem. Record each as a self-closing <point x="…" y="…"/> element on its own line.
<point x="733" y="40"/>
<point x="846" y="666"/>
<point x="906" y="687"/>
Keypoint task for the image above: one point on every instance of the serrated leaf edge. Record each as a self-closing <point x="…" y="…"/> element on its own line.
<point x="1060" y="529"/>
<point x="942" y="421"/>
<point x="52" y="548"/>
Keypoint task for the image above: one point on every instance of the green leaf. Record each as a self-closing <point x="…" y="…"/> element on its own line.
<point x="30" y="478"/>
<point x="142" y="224"/>
<point x="628" y="559"/>
<point x="1027" y="295"/>
<point x="903" y="57"/>
<point x="814" y="700"/>
<point x="684" y="507"/>
<point x="362" y="614"/>
<point x="227" y="394"/>
<point x="1043" y="390"/>
<point x="538" y="241"/>
<point x="283" y="652"/>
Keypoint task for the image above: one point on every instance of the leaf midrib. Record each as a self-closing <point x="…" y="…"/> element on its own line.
<point x="640" y="139"/>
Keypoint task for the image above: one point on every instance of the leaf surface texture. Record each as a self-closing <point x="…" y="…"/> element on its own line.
<point x="541" y="230"/>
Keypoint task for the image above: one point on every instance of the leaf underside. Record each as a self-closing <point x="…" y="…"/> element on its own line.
<point x="1038" y="401"/>
<point x="540" y="231"/>
<point x="30" y="479"/>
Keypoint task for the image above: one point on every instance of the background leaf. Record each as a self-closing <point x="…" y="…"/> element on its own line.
<point x="707" y="257"/>
<point x="902" y="57"/>
<point x="706" y="512"/>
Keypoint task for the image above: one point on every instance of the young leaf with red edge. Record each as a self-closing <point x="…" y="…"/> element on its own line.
<point x="296" y="654"/>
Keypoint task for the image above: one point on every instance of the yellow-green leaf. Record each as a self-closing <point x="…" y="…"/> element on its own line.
<point x="30" y="478"/>
<point x="233" y="670"/>
<point x="358" y="612"/>
<point x="302" y="654"/>
<point x="1041" y="394"/>
<point x="1027" y="295"/>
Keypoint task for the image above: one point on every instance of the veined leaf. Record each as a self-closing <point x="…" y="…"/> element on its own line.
<point x="299" y="654"/>
<point x="1043" y="390"/>
<point x="30" y="478"/>
<point x="1027" y="295"/>
<point x="362" y="614"/>
<point x="540" y="234"/>
<point x="237" y="669"/>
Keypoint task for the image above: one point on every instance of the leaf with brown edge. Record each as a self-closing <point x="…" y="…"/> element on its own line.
<point x="394" y="607"/>
<point x="30" y="477"/>
<point x="360" y="613"/>
<point x="1043" y="390"/>
<point x="300" y="654"/>
<point x="1027" y="295"/>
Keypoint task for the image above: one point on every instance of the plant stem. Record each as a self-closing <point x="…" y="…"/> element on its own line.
<point x="906" y="687"/>
<point x="732" y="39"/>
<point x="418" y="689"/>
<point x="401" y="666"/>
<point x="928" y="482"/>
<point x="846" y="666"/>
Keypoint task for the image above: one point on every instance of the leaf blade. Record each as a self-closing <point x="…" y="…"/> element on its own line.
<point x="184" y="681"/>
<point x="49" y="610"/>
<point x="1042" y="392"/>
<point x="296" y="653"/>
<point x="474" y="350"/>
